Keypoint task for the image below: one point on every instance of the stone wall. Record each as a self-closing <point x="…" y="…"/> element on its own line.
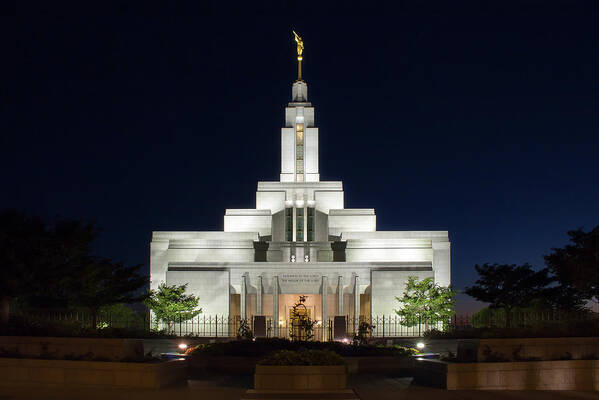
<point x="109" y="374"/>
<point x="525" y="375"/>
<point x="60" y="347"/>
<point x="531" y="375"/>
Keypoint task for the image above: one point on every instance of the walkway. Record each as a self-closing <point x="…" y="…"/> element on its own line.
<point x="367" y="388"/>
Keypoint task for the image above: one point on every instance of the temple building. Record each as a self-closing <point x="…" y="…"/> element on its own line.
<point x="299" y="240"/>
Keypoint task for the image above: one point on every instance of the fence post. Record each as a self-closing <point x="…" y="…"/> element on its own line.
<point x="419" y="325"/>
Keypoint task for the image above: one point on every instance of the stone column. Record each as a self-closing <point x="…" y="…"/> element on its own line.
<point x="243" y="297"/>
<point x="340" y="296"/>
<point x="275" y="305"/>
<point x="259" y="296"/>
<point x="356" y="303"/>
<point x="325" y="287"/>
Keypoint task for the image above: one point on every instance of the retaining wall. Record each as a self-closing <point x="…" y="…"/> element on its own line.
<point x="61" y="347"/>
<point x="526" y="375"/>
<point x="20" y="371"/>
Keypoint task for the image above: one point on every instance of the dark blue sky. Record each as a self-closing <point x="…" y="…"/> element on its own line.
<point x="482" y="124"/>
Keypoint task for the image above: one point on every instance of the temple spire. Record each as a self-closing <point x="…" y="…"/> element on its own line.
<point x="300" y="50"/>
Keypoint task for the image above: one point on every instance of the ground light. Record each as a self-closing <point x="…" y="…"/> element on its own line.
<point x="420" y="345"/>
<point x="182" y="346"/>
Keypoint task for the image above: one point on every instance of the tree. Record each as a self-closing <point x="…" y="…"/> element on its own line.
<point x="425" y="301"/>
<point x="509" y="286"/>
<point x="576" y="265"/>
<point x="119" y="315"/>
<point x="170" y="304"/>
<point x="102" y="282"/>
<point x="22" y="240"/>
<point x="53" y="266"/>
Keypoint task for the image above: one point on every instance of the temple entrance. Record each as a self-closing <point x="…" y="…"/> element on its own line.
<point x="301" y="325"/>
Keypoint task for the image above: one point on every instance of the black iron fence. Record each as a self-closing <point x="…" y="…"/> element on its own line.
<point x="225" y="326"/>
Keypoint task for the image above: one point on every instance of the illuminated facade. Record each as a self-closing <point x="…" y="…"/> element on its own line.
<point x="299" y="240"/>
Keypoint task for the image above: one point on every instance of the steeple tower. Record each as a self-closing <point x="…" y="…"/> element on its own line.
<point x="299" y="137"/>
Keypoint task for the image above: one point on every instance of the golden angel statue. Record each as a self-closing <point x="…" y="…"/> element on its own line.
<point x="300" y="45"/>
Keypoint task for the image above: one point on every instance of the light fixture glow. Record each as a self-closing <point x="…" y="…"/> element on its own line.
<point x="183" y="346"/>
<point x="420" y="345"/>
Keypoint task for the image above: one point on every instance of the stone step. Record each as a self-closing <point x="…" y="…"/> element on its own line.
<point x="346" y="394"/>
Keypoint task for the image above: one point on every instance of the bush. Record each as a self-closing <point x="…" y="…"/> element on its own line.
<point x="303" y="357"/>
<point x="32" y="326"/>
<point x="261" y="347"/>
<point x="583" y="328"/>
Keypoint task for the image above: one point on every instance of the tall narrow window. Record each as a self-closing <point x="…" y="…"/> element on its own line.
<point x="299" y="224"/>
<point x="289" y="224"/>
<point x="310" y="224"/>
<point x="299" y="152"/>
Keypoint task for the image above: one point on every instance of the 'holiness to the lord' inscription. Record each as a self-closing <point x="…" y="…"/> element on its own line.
<point x="300" y="283"/>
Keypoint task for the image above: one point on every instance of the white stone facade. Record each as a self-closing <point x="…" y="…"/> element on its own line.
<point x="300" y="239"/>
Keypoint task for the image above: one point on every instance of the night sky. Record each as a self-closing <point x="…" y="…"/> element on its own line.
<point x="480" y="123"/>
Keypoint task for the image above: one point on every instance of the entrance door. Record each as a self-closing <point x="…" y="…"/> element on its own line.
<point x="297" y="322"/>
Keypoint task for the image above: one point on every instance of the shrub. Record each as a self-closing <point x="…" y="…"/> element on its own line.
<point x="261" y="347"/>
<point x="583" y="328"/>
<point x="303" y="357"/>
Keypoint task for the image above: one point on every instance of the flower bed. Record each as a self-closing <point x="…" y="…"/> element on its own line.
<point x="301" y="370"/>
<point x="262" y="347"/>
<point x="241" y="357"/>
<point x="556" y="329"/>
<point x="306" y="357"/>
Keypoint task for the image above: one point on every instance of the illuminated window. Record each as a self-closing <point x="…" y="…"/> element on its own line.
<point x="300" y="135"/>
<point x="311" y="224"/>
<point x="299" y="152"/>
<point x="289" y="224"/>
<point x="299" y="225"/>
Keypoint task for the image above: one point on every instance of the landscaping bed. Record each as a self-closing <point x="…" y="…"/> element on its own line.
<point x="556" y="329"/>
<point x="262" y="347"/>
<point x="527" y="349"/>
<point x="301" y="374"/>
<point x="241" y="357"/>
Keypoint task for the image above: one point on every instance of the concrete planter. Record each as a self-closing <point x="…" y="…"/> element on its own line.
<point x="312" y="377"/>
<point x="471" y="350"/>
<point x="526" y="375"/>
<point x="60" y="347"/>
<point x="20" y="371"/>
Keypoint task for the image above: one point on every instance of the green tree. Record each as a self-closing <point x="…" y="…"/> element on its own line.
<point x="53" y="266"/>
<point x="576" y="265"/>
<point x="102" y="282"/>
<point x="170" y="304"/>
<point x="509" y="286"/>
<point x="119" y="315"/>
<point x="426" y="302"/>
<point x="22" y="244"/>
